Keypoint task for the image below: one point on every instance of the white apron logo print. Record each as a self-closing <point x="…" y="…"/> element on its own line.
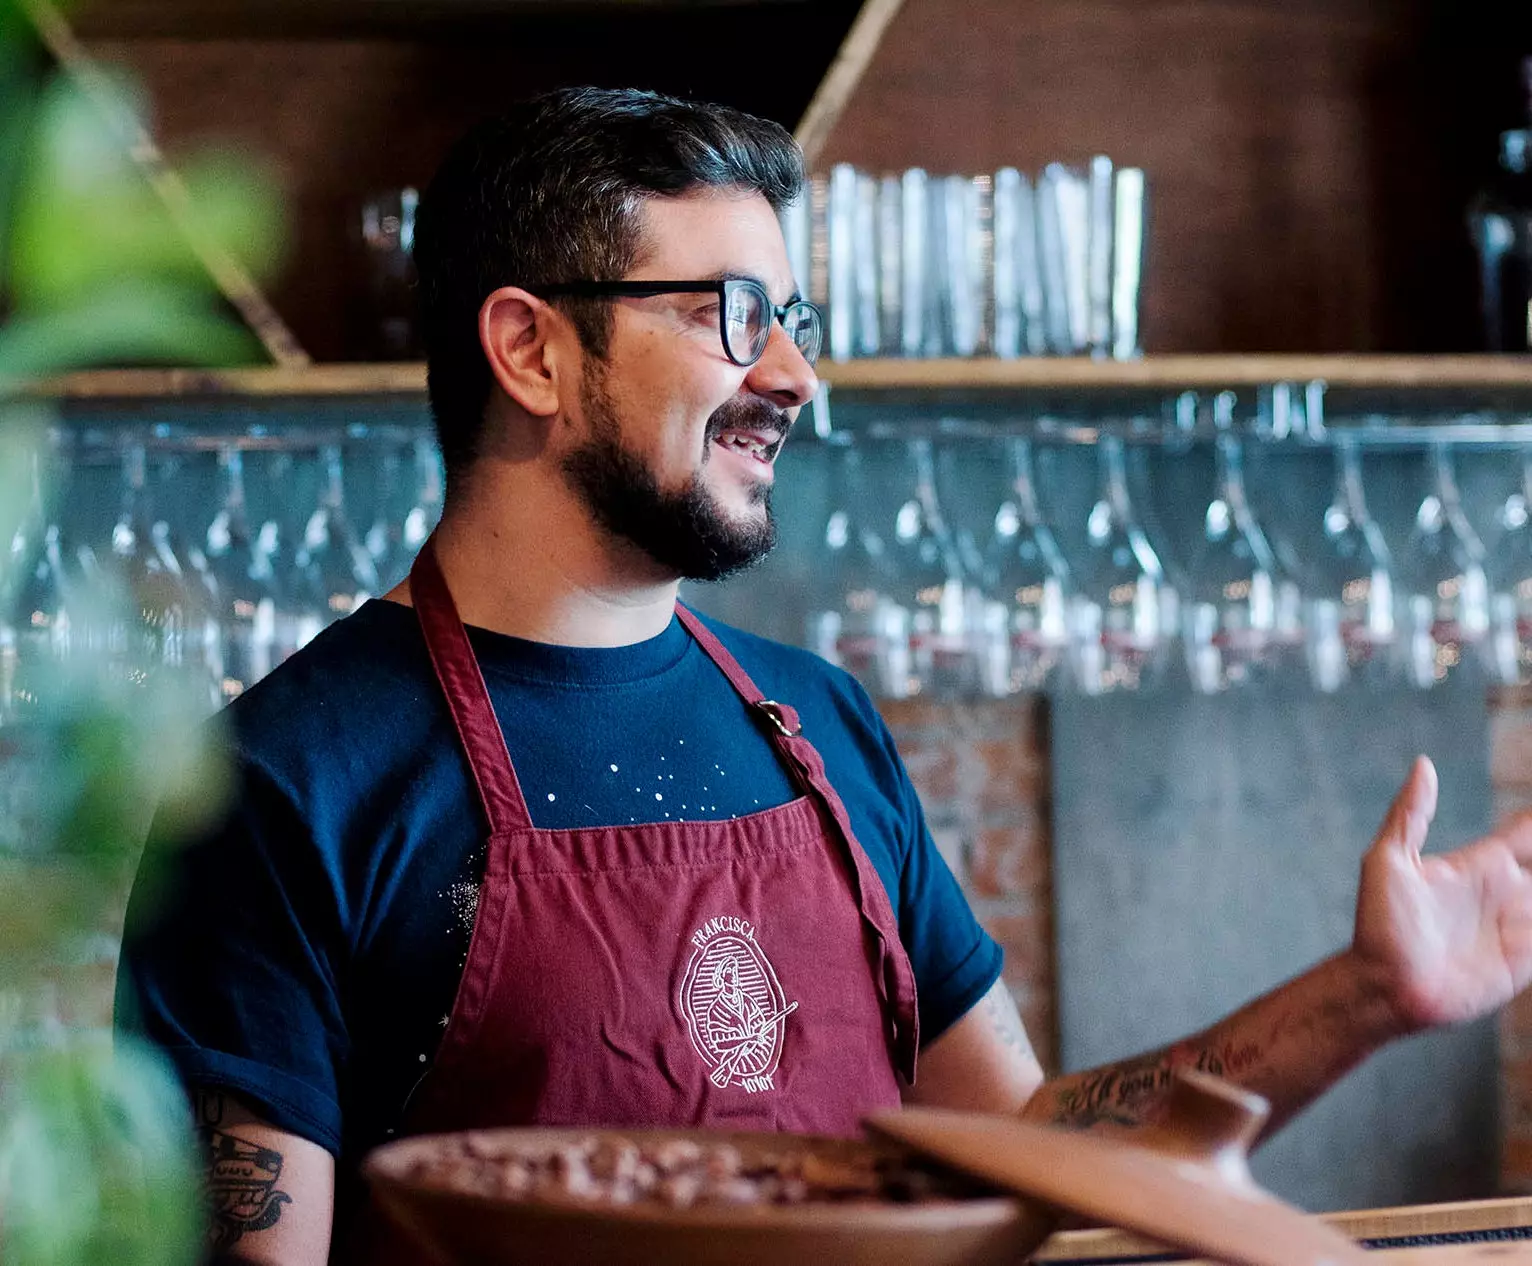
<point x="736" y="1012"/>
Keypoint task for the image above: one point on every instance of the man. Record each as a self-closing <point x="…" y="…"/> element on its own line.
<point x="526" y="843"/>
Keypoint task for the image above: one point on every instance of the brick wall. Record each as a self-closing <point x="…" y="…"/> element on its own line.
<point x="982" y="772"/>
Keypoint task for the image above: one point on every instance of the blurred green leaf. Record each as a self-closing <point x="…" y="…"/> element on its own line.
<point x="87" y="216"/>
<point x="129" y="322"/>
<point x="97" y="1161"/>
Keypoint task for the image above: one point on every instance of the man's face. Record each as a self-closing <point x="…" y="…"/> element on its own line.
<point x="678" y="443"/>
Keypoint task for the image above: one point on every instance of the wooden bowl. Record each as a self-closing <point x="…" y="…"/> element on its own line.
<point x="462" y="1227"/>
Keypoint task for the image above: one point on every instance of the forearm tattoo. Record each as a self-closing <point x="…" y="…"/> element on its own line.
<point x="242" y="1177"/>
<point x="1132" y="1093"/>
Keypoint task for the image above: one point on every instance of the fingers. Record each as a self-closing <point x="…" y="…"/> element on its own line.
<point x="1409" y="817"/>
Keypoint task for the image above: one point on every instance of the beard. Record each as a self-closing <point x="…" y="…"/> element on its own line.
<point x="686" y="532"/>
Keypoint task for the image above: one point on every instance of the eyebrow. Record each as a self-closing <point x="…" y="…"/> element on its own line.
<point x="726" y="274"/>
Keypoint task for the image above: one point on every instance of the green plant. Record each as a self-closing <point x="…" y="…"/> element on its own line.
<point x="97" y="1161"/>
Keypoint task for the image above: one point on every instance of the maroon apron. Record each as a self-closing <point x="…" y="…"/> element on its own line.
<point x="744" y="974"/>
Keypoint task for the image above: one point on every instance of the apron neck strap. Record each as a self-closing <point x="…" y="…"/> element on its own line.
<point x="457" y="669"/>
<point x="782" y="717"/>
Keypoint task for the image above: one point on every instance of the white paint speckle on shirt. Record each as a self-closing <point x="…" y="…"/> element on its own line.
<point x="614" y="769"/>
<point x="657" y="796"/>
<point x="551" y="796"/>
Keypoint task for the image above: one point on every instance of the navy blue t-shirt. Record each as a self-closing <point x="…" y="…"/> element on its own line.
<point x="305" y="951"/>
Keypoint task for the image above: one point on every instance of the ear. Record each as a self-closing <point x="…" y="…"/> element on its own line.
<point x="519" y="335"/>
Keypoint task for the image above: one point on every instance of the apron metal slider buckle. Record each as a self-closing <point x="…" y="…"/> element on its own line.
<point x="774" y="711"/>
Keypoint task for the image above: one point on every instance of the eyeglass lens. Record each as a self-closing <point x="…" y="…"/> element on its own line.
<point x="747" y="325"/>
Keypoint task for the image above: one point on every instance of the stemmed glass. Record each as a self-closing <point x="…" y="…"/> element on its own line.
<point x="246" y="585"/>
<point x="1349" y="603"/>
<point x="37" y="607"/>
<point x="1230" y="617"/>
<point x="1444" y="599"/>
<point x="857" y="625"/>
<point x="335" y="572"/>
<point x="1119" y="616"/>
<point x="421" y="519"/>
<point x="1509" y="571"/>
<point x="162" y="621"/>
<point x="934" y="587"/>
<point x="383" y="538"/>
<point x="1024" y="637"/>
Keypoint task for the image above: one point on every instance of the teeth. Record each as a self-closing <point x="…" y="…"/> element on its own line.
<point x="752" y="446"/>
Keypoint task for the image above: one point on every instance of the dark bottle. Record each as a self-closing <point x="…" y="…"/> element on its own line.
<point x="1501" y="224"/>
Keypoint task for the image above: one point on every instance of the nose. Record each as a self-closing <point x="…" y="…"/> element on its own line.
<point x="782" y="375"/>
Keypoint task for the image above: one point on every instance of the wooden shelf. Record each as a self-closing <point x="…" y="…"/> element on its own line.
<point x="1190" y="372"/>
<point x="1166" y="373"/>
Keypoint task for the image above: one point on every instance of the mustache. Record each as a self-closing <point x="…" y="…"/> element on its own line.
<point x="750" y="415"/>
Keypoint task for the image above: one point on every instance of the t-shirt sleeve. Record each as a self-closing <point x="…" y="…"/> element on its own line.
<point x="230" y="956"/>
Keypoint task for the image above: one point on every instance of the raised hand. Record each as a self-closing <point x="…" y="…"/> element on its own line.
<point x="1449" y="936"/>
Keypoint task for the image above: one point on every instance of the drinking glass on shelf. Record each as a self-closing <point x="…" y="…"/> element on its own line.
<point x="1229" y="619"/>
<point x="934" y="587"/>
<point x="857" y="625"/>
<point x="1023" y="638"/>
<point x="246" y="585"/>
<point x="1119" y="614"/>
<point x="1444" y="596"/>
<point x="1509" y="572"/>
<point x="335" y="573"/>
<point x="1349" y="592"/>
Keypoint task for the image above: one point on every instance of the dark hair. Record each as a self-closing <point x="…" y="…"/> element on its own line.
<point x="550" y="192"/>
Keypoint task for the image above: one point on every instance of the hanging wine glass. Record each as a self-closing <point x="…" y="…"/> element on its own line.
<point x="1444" y="593"/>
<point x="336" y="572"/>
<point x="1349" y="599"/>
<point x="391" y="501"/>
<point x="856" y="624"/>
<point x="158" y="625"/>
<point x="1509" y="572"/>
<point x="1230" y="615"/>
<point x="1119" y="614"/>
<point x="933" y="587"/>
<point x="1024" y="635"/>
<point x="274" y="477"/>
<point x="246" y="585"/>
<point x="421" y="519"/>
<point x="39" y="608"/>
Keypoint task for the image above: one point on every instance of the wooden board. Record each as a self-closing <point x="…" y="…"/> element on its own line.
<point x="1454" y="1218"/>
<point x="845" y="74"/>
<point x="1165" y="372"/>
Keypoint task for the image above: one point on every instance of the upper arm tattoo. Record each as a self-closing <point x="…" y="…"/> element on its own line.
<point x="242" y="1177"/>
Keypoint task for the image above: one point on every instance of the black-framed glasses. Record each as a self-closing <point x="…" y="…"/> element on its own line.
<point x="745" y="311"/>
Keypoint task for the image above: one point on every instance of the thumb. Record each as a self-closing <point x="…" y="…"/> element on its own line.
<point x="1409" y="817"/>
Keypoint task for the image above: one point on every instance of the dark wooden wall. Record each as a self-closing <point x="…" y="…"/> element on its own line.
<point x="338" y="118"/>
<point x="1310" y="161"/>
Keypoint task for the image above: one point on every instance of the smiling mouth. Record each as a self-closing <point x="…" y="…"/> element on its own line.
<point x="763" y="446"/>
